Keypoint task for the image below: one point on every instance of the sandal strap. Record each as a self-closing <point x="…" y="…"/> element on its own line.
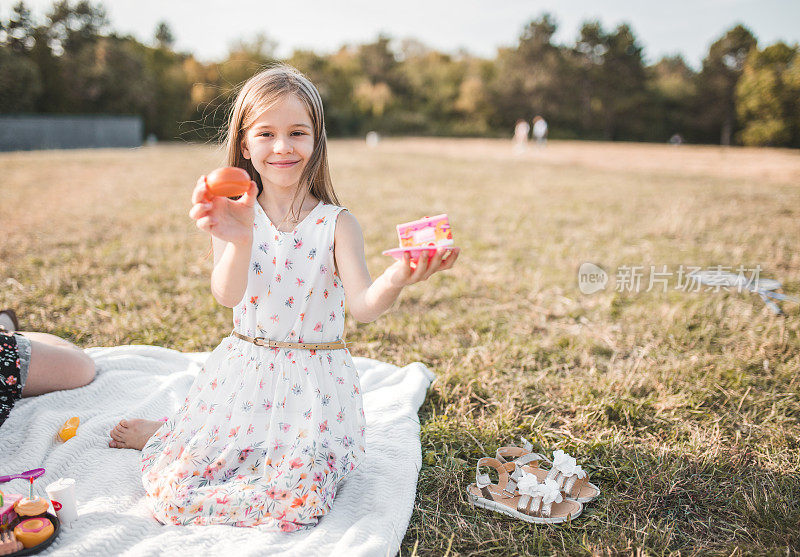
<point x="513" y="478"/>
<point x="568" y="473"/>
<point x="528" y="458"/>
<point x="518" y="472"/>
<point x="536" y="505"/>
<point x="510" y="453"/>
<point x="482" y="481"/>
<point x="574" y="485"/>
<point x="569" y="485"/>
<point x="532" y="506"/>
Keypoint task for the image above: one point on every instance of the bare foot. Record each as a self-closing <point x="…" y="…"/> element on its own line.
<point x="133" y="434"/>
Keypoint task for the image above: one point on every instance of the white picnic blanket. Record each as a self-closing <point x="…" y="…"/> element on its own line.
<point x="370" y="514"/>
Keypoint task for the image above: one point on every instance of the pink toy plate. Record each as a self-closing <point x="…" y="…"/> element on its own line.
<point x="415" y="251"/>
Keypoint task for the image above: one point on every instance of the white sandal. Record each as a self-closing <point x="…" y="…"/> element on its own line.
<point x="568" y="475"/>
<point x="536" y="502"/>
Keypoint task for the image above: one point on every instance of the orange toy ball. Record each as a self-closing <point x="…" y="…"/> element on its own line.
<point x="228" y="181"/>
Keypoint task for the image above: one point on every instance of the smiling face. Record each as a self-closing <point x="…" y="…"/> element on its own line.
<point x="280" y="143"/>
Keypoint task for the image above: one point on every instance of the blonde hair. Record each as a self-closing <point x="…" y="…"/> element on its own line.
<point x="258" y="94"/>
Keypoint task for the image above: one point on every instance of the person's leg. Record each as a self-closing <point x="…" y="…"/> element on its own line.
<point x="55" y="365"/>
<point x="133" y="434"/>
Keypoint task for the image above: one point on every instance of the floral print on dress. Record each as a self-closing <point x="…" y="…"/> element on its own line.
<point x="10" y="379"/>
<point x="265" y="435"/>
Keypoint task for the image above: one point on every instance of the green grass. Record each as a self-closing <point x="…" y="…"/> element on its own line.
<point x="684" y="407"/>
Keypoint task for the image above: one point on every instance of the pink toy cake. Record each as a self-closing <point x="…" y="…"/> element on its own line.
<point x="7" y="512"/>
<point x="425" y="234"/>
<point x="427" y="231"/>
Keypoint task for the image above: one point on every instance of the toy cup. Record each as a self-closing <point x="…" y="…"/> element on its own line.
<point x="62" y="494"/>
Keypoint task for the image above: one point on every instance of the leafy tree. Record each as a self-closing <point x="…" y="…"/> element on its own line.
<point x="377" y="60"/>
<point x="163" y="36"/>
<point x="334" y="77"/>
<point x="716" y="83"/>
<point x="597" y="87"/>
<point x="433" y="83"/>
<point x="168" y="115"/>
<point x="625" y="95"/>
<point x="587" y="76"/>
<point x="611" y="76"/>
<point x="20" y="29"/>
<point x="527" y="78"/>
<point x="380" y="89"/>
<point x="21" y="81"/>
<point x="245" y="58"/>
<point x="109" y="76"/>
<point x="207" y="101"/>
<point x="767" y="96"/>
<point x="671" y="90"/>
<point x="71" y="27"/>
<point x="68" y="29"/>
<point x="19" y="75"/>
<point x="473" y="103"/>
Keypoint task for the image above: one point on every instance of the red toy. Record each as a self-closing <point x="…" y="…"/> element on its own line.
<point x="228" y="181"/>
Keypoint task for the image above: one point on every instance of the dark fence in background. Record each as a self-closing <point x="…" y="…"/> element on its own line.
<point x="52" y="131"/>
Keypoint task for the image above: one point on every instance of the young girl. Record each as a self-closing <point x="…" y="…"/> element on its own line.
<point x="267" y="433"/>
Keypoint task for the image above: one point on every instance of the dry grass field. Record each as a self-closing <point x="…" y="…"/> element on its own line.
<point x="683" y="406"/>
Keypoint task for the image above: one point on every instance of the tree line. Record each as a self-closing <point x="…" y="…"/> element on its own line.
<point x="599" y="87"/>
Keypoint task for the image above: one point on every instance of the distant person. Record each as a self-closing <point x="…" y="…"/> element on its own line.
<point x="540" y="131"/>
<point x="676" y="139"/>
<point x="373" y="138"/>
<point x="521" y="130"/>
<point x="33" y="364"/>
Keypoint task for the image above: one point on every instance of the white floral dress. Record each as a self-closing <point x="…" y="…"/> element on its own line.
<point x="265" y="435"/>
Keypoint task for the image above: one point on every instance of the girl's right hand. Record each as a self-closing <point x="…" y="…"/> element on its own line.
<point x="227" y="219"/>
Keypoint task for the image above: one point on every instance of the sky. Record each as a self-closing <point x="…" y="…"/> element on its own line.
<point x="207" y="28"/>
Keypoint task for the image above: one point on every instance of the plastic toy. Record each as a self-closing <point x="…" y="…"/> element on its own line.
<point x="62" y="494"/>
<point x="25" y="525"/>
<point x="7" y="513"/>
<point x="426" y="234"/>
<point x="29" y="475"/>
<point x="9" y="543"/>
<point x="33" y="531"/>
<point x="29" y="506"/>
<point x="69" y="429"/>
<point x="228" y="181"/>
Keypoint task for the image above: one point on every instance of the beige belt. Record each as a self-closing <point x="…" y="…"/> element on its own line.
<point x="261" y="341"/>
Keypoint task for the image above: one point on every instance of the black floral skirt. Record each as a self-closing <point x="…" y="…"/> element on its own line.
<point x="15" y="358"/>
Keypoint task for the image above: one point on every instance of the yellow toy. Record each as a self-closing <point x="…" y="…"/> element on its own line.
<point x="69" y="429"/>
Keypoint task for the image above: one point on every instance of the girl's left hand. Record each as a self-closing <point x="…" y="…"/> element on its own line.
<point x="401" y="273"/>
